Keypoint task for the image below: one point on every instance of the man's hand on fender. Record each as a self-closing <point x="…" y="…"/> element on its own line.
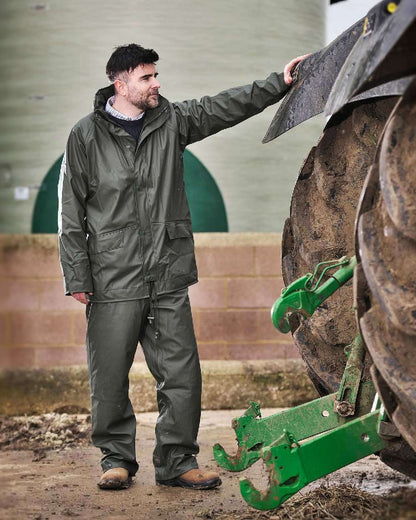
<point x="81" y="297"/>
<point x="290" y="66"/>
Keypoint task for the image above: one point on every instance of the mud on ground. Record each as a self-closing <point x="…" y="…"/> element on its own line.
<point x="48" y="470"/>
<point x="41" y="433"/>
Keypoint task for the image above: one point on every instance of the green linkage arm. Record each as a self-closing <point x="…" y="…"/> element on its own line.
<point x="254" y="433"/>
<point x="291" y="465"/>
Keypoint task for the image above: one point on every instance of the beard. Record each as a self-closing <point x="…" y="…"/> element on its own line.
<point x="145" y="102"/>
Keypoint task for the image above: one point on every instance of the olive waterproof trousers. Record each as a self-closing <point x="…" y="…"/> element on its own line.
<point x="169" y="346"/>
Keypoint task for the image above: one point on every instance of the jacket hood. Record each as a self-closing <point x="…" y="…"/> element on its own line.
<point x="102" y="96"/>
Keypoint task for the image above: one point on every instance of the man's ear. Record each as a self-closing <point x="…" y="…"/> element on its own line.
<point x="120" y="87"/>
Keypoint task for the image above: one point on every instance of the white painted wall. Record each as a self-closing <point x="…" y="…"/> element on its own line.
<point x="342" y="15"/>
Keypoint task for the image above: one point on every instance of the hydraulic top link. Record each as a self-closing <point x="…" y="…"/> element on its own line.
<point x="307" y="293"/>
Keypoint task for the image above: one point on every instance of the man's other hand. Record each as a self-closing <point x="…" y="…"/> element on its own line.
<point x="81" y="297"/>
<point x="290" y="66"/>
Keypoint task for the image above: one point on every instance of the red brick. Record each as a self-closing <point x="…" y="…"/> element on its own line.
<point x="40" y="328"/>
<point x="268" y="260"/>
<point x="196" y="320"/>
<point x="239" y="325"/>
<point x="60" y="356"/>
<point x="227" y="326"/>
<point x="139" y="354"/>
<point x="19" y="294"/>
<point x="225" y="261"/>
<point x="257" y="351"/>
<point x="211" y="326"/>
<point x="267" y="331"/>
<point x="28" y="259"/>
<point x="52" y="297"/>
<point x="242" y="325"/>
<point x="292" y="351"/>
<point x="4" y="329"/>
<point x="253" y="292"/>
<point x="79" y="325"/>
<point x="11" y="358"/>
<point x="213" y="351"/>
<point x="208" y="293"/>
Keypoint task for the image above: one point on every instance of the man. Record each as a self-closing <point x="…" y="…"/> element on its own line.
<point x="127" y="252"/>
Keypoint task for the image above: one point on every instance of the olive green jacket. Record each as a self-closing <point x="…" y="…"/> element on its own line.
<point x="124" y="219"/>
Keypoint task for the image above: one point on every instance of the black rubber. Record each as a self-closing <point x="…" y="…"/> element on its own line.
<point x="115" y="483"/>
<point x="180" y="482"/>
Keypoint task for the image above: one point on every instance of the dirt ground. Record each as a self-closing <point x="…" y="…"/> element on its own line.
<point x="49" y="470"/>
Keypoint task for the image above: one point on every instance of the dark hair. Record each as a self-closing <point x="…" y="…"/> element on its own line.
<point x="127" y="57"/>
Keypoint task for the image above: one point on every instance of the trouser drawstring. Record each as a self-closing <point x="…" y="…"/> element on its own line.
<point x="153" y="311"/>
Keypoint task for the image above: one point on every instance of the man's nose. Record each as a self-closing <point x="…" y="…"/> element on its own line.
<point x="156" y="83"/>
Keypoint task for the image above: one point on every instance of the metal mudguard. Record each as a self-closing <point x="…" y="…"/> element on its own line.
<point x="313" y="80"/>
<point x="385" y="51"/>
<point x="316" y="75"/>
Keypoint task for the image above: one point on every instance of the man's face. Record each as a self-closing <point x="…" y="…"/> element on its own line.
<point x="142" y="87"/>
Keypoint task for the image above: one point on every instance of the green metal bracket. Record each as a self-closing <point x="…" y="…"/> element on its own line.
<point x="254" y="433"/>
<point x="306" y="294"/>
<point x="291" y="465"/>
<point x="351" y="378"/>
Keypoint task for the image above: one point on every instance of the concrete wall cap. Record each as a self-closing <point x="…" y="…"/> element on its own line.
<point x="237" y="239"/>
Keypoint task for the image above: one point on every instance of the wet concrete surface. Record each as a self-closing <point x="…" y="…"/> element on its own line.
<point x="63" y="484"/>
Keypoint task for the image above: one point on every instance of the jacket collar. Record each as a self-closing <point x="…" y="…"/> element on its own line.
<point x="105" y="93"/>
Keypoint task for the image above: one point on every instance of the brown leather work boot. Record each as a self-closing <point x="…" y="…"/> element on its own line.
<point x="194" y="479"/>
<point x="115" y="478"/>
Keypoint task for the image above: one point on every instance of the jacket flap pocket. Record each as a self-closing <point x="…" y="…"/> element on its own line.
<point x="179" y="229"/>
<point x="106" y="242"/>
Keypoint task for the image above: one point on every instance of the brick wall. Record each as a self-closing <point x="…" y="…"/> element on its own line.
<point x="239" y="281"/>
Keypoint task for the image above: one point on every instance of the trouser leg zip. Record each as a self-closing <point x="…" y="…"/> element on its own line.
<point x="153" y="310"/>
